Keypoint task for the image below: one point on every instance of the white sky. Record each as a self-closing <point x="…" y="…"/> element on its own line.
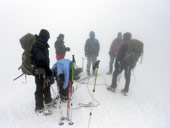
<point x="147" y="20"/>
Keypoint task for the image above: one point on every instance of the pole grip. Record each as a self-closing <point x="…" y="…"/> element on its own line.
<point x="96" y="65"/>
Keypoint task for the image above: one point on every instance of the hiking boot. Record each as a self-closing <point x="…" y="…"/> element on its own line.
<point x="125" y="93"/>
<point x="110" y="88"/>
<point x="76" y="77"/>
<point x="51" y="104"/>
<point x="109" y="73"/>
<point x="39" y="110"/>
<point x="64" y="98"/>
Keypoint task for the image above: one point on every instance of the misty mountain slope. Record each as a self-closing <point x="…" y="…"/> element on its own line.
<point x="142" y="108"/>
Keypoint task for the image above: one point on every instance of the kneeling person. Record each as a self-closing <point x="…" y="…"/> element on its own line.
<point x="62" y="71"/>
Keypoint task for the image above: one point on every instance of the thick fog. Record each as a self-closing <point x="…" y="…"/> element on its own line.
<point x="147" y="103"/>
<point x="147" y="20"/>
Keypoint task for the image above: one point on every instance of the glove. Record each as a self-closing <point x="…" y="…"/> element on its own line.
<point x="48" y="72"/>
<point x="67" y="49"/>
<point x="51" y="80"/>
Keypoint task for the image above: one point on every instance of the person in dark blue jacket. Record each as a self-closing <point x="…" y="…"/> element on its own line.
<point x="41" y="61"/>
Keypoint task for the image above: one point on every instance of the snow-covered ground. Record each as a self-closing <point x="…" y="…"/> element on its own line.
<point x="147" y="104"/>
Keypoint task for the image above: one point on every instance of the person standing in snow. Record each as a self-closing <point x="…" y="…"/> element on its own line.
<point x="114" y="49"/>
<point x="41" y="61"/>
<point x="91" y="50"/>
<point x="126" y="60"/>
<point x="60" y="47"/>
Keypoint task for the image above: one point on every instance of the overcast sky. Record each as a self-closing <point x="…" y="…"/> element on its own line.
<point x="147" y="20"/>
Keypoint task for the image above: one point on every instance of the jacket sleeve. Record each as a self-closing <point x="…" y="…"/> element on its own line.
<point x="98" y="47"/>
<point x="66" y="78"/>
<point x="67" y="69"/>
<point x="86" y="48"/>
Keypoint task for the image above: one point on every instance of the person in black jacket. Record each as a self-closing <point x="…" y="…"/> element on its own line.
<point x="121" y="65"/>
<point x="60" y="47"/>
<point x="40" y="57"/>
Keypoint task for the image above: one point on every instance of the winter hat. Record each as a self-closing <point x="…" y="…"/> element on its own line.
<point x="60" y="36"/>
<point x="119" y="34"/>
<point x="44" y="34"/>
<point x="127" y="36"/>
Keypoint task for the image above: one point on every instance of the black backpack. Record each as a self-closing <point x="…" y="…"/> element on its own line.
<point x="134" y="52"/>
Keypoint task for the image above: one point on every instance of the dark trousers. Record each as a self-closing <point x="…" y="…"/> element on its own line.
<point x="60" y="82"/>
<point x="42" y="92"/>
<point x="112" y="58"/>
<point x="117" y="71"/>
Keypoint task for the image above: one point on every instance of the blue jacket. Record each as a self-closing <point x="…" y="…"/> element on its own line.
<point x="92" y="47"/>
<point x="63" y="67"/>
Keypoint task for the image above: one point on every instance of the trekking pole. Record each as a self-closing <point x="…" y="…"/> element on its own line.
<point x="25" y="80"/>
<point x="95" y="67"/>
<point x="61" y="114"/>
<point x="60" y="108"/>
<point x="70" y="86"/>
<point x="68" y="101"/>
<point x="73" y="61"/>
<point x="18" y="77"/>
<point x="71" y="122"/>
<point x="62" y="118"/>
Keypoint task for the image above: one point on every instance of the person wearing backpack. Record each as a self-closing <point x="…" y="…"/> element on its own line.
<point x="60" y="48"/>
<point x="91" y="49"/>
<point x="126" y="60"/>
<point x="42" y="72"/>
<point x="114" y="49"/>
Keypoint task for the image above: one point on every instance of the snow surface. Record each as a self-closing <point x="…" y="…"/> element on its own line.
<point x="147" y="104"/>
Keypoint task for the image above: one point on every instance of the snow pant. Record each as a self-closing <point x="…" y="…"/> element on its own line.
<point x="112" y="58"/>
<point x="91" y="60"/>
<point x="60" y="82"/>
<point x="127" y="72"/>
<point x="42" y="92"/>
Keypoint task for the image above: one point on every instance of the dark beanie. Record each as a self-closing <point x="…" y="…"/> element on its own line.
<point x="44" y="34"/>
<point x="61" y="36"/>
<point x="127" y="36"/>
